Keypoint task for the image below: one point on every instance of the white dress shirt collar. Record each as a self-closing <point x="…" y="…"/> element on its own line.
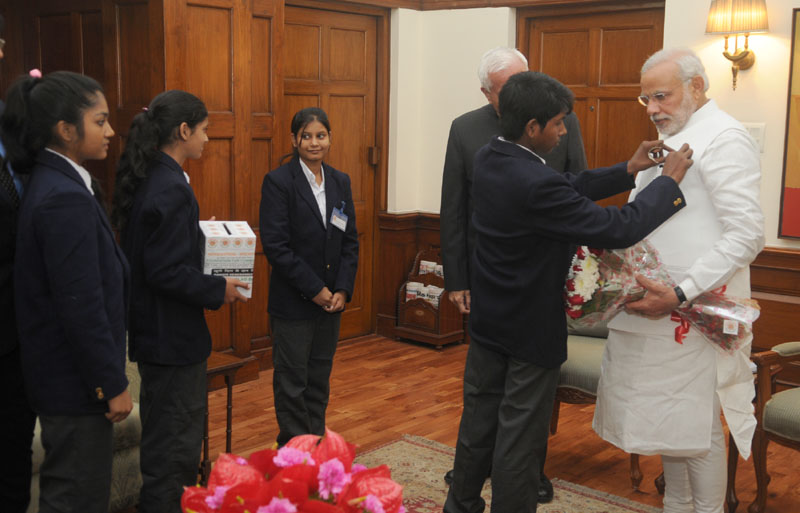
<point x="523" y="147"/>
<point x="84" y="174"/>
<point x="317" y="190"/>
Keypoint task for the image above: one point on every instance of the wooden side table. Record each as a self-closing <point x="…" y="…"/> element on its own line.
<point x="226" y="365"/>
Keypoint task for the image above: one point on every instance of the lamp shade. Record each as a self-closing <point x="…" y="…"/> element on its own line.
<point x="737" y="17"/>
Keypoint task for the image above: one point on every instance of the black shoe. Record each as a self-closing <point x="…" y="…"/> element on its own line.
<point x="448" y="477"/>
<point x="545" y="490"/>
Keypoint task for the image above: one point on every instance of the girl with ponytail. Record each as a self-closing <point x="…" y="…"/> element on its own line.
<point x="71" y="285"/>
<point x="157" y="214"/>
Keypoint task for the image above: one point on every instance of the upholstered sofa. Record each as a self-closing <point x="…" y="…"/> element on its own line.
<point x="126" y="479"/>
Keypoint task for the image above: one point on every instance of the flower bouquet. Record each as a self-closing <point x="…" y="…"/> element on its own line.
<point x="310" y="474"/>
<point x="600" y="282"/>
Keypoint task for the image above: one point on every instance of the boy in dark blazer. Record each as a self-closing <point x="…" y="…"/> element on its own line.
<point x="527" y="216"/>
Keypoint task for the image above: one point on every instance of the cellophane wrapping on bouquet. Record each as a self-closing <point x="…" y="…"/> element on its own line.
<point x="600" y="282"/>
<point x="310" y="474"/>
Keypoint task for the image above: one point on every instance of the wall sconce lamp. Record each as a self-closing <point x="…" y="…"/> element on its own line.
<point x="735" y="17"/>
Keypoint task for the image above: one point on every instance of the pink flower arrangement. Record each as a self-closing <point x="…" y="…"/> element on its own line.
<point x="310" y="474"/>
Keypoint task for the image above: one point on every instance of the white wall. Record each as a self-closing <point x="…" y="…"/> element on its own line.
<point x="435" y="56"/>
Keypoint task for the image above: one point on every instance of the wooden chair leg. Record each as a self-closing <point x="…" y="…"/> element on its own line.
<point x="733" y="461"/>
<point x="554" y="417"/>
<point x="660" y="484"/>
<point x="762" y="477"/>
<point x="636" y="472"/>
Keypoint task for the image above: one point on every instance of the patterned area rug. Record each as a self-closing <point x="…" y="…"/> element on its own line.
<point x="420" y="464"/>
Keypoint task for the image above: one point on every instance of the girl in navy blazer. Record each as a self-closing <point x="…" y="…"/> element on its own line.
<point x="157" y="214"/>
<point x="71" y="285"/>
<point x="308" y="231"/>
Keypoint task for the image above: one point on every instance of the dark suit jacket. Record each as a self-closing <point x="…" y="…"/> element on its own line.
<point x="468" y="133"/>
<point x="306" y="255"/>
<point x="71" y="294"/>
<point x="8" y="235"/>
<point x="526" y="218"/>
<point x="169" y="291"/>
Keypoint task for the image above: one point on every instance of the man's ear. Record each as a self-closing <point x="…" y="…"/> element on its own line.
<point x="697" y="85"/>
<point x="487" y="94"/>
<point x="67" y="133"/>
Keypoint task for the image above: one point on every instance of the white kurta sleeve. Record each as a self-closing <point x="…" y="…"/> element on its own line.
<point x="731" y="171"/>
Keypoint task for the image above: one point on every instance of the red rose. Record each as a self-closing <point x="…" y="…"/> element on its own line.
<point x="570" y="285"/>
<point x="574" y="313"/>
<point x="580" y="252"/>
<point x="575" y="300"/>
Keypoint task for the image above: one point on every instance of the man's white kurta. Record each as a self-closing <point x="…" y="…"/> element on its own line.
<point x="656" y="396"/>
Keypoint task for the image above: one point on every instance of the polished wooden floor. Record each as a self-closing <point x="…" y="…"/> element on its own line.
<point x="382" y="389"/>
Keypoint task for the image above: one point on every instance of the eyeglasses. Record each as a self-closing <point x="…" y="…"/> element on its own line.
<point x="2" y="43"/>
<point x="658" y="97"/>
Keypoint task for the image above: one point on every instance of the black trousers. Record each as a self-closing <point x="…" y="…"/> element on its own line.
<point x="172" y="405"/>
<point x="75" y="476"/>
<point x="302" y="355"/>
<point x="504" y="426"/>
<point x="17" y="420"/>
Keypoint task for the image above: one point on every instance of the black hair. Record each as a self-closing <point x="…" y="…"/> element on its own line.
<point x="152" y="129"/>
<point x="34" y="106"/>
<point x="2" y="24"/>
<point x="531" y="95"/>
<point x="301" y="120"/>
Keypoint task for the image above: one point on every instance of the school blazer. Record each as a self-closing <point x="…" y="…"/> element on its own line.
<point x="527" y="217"/>
<point x="71" y="294"/>
<point x="305" y="254"/>
<point x="169" y="291"/>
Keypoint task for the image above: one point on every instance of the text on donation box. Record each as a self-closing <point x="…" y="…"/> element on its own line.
<point x="229" y="250"/>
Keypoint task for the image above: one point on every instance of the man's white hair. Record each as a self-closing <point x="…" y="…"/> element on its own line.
<point x="689" y="64"/>
<point x="498" y="59"/>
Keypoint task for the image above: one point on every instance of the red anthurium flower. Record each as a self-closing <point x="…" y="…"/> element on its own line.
<point x="305" y="443"/>
<point x="333" y="445"/>
<point x="283" y="488"/>
<point x="306" y="474"/>
<point x="374" y="481"/>
<point x="231" y="470"/>
<point x="313" y="506"/>
<point x="194" y="500"/>
<point x="262" y="460"/>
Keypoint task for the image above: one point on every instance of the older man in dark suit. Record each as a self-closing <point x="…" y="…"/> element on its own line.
<point x="526" y="217"/>
<point x="468" y="133"/>
<point x="16" y="416"/>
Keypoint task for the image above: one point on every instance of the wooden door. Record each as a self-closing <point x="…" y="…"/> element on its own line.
<point x="598" y="55"/>
<point x="330" y="61"/>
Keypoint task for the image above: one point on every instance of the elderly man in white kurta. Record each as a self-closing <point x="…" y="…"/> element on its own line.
<point x="657" y="396"/>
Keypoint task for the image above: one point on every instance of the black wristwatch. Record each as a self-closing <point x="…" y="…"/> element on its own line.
<point x="680" y="294"/>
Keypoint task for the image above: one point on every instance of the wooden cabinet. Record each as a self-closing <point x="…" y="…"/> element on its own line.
<point x="420" y="320"/>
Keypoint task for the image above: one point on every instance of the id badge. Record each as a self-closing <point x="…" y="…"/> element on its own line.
<point x="339" y="218"/>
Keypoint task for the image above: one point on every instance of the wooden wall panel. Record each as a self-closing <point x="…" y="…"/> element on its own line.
<point x="208" y="65"/>
<point x="305" y="43"/>
<point x="133" y="28"/>
<point x="616" y="69"/>
<point x="57" y="43"/>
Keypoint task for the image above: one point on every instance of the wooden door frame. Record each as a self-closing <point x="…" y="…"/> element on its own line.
<point x="381" y="169"/>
